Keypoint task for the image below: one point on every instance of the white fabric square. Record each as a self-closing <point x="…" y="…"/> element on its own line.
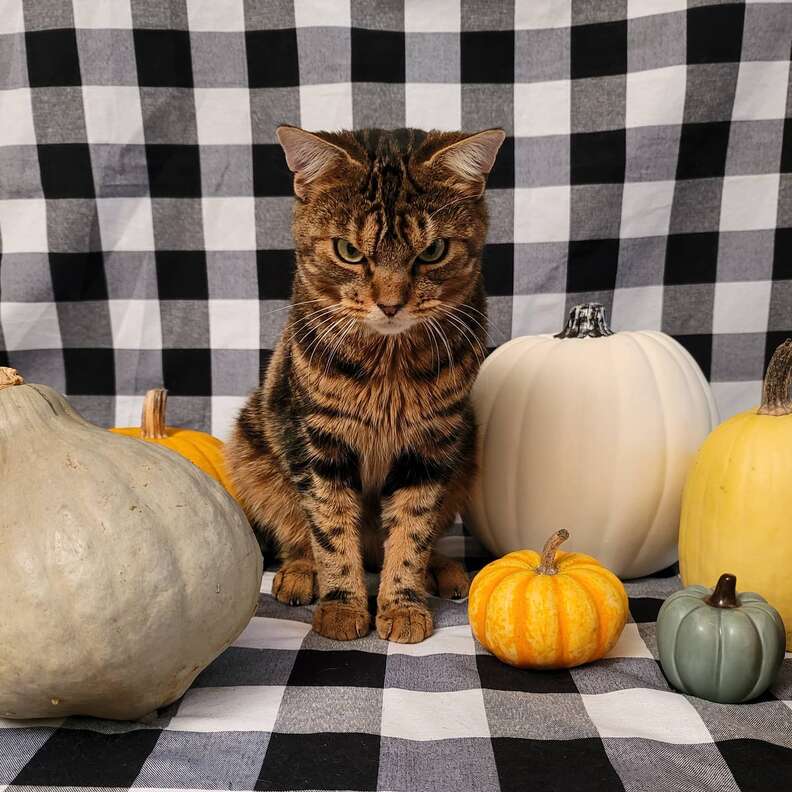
<point x="216" y="15"/>
<point x="225" y="410"/>
<point x="656" y="97"/>
<point x="761" y="90"/>
<point x="741" y="307"/>
<point x="327" y="106"/>
<point x="218" y="709"/>
<point x="223" y="116"/>
<point x="125" y="223"/>
<point x="234" y="324"/>
<point x="23" y="225"/>
<point x="646" y="208"/>
<point x="433" y="106"/>
<point x="128" y="409"/>
<point x="12" y="18"/>
<point x="541" y="214"/>
<point x="639" y="308"/>
<point x="113" y="114"/>
<point x="16" y="111"/>
<point x="322" y="13"/>
<point x="536" y="14"/>
<point x="734" y="397"/>
<point x="749" y="202"/>
<point x="229" y="223"/>
<point x="437" y="16"/>
<point x="30" y="325"/>
<point x="649" y="714"/>
<point x="640" y="8"/>
<point x="542" y="108"/>
<point x="267" y="579"/>
<point x="416" y="715"/>
<point x="630" y="644"/>
<point x="265" y="633"/>
<point x="103" y="14"/>
<point x="538" y="313"/>
<point x="445" y="640"/>
<point x="135" y="324"/>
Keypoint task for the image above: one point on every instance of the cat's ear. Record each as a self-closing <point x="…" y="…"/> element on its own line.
<point x="310" y="157"/>
<point x="470" y="160"/>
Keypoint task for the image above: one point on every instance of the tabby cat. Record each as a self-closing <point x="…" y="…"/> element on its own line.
<point x="358" y="448"/>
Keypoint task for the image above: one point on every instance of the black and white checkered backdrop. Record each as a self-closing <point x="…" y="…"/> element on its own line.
<point x="145" y="204"/>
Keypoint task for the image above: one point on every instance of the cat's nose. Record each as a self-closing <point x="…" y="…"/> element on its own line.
<point x="390" y="310"/>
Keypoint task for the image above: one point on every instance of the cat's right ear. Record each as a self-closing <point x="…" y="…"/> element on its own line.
<point x="310" y="158"/>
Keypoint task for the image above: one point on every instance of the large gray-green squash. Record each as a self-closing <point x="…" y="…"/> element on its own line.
<point x="124" y="569"/>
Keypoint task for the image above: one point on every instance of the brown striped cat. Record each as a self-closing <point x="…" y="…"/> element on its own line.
<point x="358" y="449"/>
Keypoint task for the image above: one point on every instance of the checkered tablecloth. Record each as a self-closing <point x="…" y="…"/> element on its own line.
<point x="285" y="709"/>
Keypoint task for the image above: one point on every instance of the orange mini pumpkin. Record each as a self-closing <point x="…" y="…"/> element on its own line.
<point x="200" y="448"/>
<point x="549" y="610"/>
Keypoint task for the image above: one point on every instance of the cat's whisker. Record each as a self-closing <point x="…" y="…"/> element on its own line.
<point x="447" y="345"/>
<point x="323" y="336"/>
<point x="291" y="305"/>
<point x="467" y="334"/>
<point x="472" y="318"/>
<point x="327" y="315"/>
<point x="430" y="334"/>
<point x="450" y="312"/>
<point x="337" y="345"/>
<point x="505" y="335"/>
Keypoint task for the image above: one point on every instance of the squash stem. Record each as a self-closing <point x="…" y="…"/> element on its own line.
<point x="777" y="382"/>
<point x="586" y="320"/>
<point x="152" y="421"/>
<point x="548" y="564"/>
<point x="10" y="377"/>
<point x="724" y="595"/>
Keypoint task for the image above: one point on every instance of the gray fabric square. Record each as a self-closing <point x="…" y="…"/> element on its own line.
<point x="273" y="223"/>
<point x="25" y="277"/>
<point x="185" y="324"/>
<point x="85" y="323"/>
<point x="58" y="115"/>
<point x="378" y="105"/>
<point x="745" y="255"/>
<point x="99" y="410"/>
<point x="130" y="275"/>
<point x="218" y="59"/>
<point x="235" y="372"/>
<point x="47" y="15"/>
<point x="688" y="308"/>
<point x="595" y="211"/>
<point x="338" y="709"/>
<point x="44" y="366"/>
<point x="431" y="57"/>
<point x="240" y="665"/>
<point x="641" y="262"/>
<point x="107" y="57"/>
<point x="576" y="298"/>
<point x="767" y="31"/>
<point x="598" y="103"/>
<point x="13" y="62"/>
<point x="379" y="16"/>
<point x="540" y="268"/>
<point x="168" y="115"/>
<point x="585" y="12"/>
<point x="537" y="716"/>
<point x="656" y="41"/>
<point x="20" y="176"/>
<point x="726" y="722"/>
<point x="541" y="161"/>
<point x="137" y="370"/>
<point x="26" y="743"/>
<point x="226" y="170"/>
<point x="324" y="55"/>
<point x="232" y="274"/>
<point x="696" y="206"/>
<point x="272" y="321"/>
<point x="178" y="223"/>
<point x="780" y="306"/>
<point x="623" y="673"/>
<point x="159" y="16"/>
<point x="119" y="171"/>
<point x="437" y="673"/>
<point x="487" y="106"/>
<point x="737" y="357"/>
<point x="541" y="55"/>
<point x="189" y="411"/>
<point x="754" y="147"/>
<point x="487" y="16"/>
<point x="709" y="94"/>
<point x="72" y="225"/>
<point x="270" y="107"/>
<point x="272" y="15"/>
<point x="501" y="211"/>
<point x="369" y="643"/>
<point x="651" y="153"/>
<point x="500" y="310"/>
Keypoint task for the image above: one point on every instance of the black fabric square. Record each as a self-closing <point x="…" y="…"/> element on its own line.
<point x="497" y="264"/>
<point x="598" y="50"/>
<point x="496" y="675"/>
<point x="644" y="609"/>
<point x="782" y="255"/>
<point x="76" y="758"/>
<point x="487" y="56"/>
<point x="702" y="150"/>
<point x="89" y="372"/>
<point x="691" y="258"/>
<point x="52" y="57"/>
<point x="275" y="274"/>
<point x="181" y="275"/>
<point x="321" y="761"/>
<point x="348" y="668"/>
<point x="163" y="58"/>
<point x="757" y="765"/>
<point x="714" y="33"/>
<point x="66" y="170"/>
<point x="187" y="372"/>
<point x="700" y="347"/>
<point x="502" y="174"/>
<point x="265" y="355"/>
<point x="174" y="171"/>
<point x="786" y="147"/>
<point x="377" y="56"/>
<point x="271" y="175"/>
<point x="598" y="157"/>
<point x="592" y="265"/>
<point x="272" y="58"/>
<point x="78" y="276"/>
<point x="4" y="359"/>
<point x="568" y="765"/>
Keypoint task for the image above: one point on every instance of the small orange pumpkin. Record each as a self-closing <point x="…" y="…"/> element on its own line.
<point x="200" y="448"/>
<point x="549" y="610"/>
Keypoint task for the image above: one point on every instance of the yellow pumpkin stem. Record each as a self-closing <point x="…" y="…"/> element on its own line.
<point x="777" y="382"/>
<point x="152" y="421"/>
<point x="9" y="377"/>
<point x="548" y="564"/>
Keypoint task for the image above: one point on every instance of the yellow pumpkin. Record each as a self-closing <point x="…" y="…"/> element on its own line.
<point x="200" y="448"/>
<point x="738" y="498"/>
<point x="554" y="610"/>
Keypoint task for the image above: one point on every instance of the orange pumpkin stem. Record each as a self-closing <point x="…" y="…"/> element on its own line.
<point x="9" y="377"/>
<point x="548" y="564"/>
<point x="152" y="421"/>
<point x="777" y="382"/>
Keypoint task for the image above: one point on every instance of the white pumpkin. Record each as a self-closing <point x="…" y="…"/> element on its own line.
<point x="124" y="569"/>
<point x="593" y="432"/>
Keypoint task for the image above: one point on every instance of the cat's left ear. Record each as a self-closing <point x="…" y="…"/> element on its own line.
<point x="470" y="160"/>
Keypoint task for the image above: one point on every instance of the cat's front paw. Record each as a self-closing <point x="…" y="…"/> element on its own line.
<point x="341" y="621"/>
<point x="405" y="623"/>
<point x="295" y="583"/>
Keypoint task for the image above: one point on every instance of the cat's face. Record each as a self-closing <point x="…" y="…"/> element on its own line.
<point x="389" y="226"/>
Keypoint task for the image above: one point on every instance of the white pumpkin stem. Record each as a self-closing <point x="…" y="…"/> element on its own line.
<point x="548" y="564"/>
<point x="777" y="382"/>
<point x="152" y="421"/>
<point x="586" y="320"/>
<point x="10" y="377"/>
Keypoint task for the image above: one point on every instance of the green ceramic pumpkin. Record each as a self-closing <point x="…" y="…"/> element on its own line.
<point x="720" y="645"/>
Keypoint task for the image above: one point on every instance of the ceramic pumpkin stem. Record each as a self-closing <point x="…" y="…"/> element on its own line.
<point x="586" y="321"/>
<point x="724" y="594"/>
<point x="777" y="382"/>
<point x="548" y="564"/>
<point x="9" y="377"/>
<point x="152" y="422"/>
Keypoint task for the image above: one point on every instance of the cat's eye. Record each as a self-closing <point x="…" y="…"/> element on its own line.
<point x="347" y="252"/>
<point x="433" y="253"/>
